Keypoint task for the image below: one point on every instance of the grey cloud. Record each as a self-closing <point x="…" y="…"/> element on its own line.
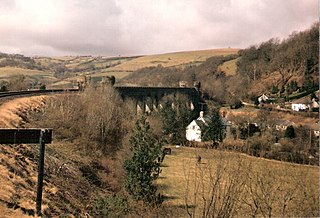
<point x="125" y="27"/>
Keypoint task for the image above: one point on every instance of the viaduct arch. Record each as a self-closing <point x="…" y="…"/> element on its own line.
<point x="148" y="99"/>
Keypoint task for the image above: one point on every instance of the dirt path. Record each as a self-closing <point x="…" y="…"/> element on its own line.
<point x="11" y="111"/>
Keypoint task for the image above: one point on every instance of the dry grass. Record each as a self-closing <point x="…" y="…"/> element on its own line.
<point x="11" y="71"/>
<point x="252" y="114"/>
<point x="271" y="181"/>
<point x="229" y="67"/>
<point x="118" y="75"/>
<point x="171" y="59"/>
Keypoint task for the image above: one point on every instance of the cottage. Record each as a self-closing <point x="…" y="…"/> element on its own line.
<point x="193" y="130"/>
<point x="263" y="98"/>
<point x="299" y="107"/>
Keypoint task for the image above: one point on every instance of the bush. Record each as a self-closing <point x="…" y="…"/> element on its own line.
<point x="110" y="206"/>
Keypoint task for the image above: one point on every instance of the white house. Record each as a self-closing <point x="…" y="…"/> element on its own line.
<point x="193" y="131"/>
<point x="299" y="107"/>
<point x="263" y="98"/>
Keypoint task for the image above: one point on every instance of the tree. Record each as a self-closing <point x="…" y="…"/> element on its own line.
<point x="18" y="83"/>
<point x="144" y="165"/>
<point x="290" y="133"/>
<point x="214" y="130"/>
<point x="274" y="89"/>
<point x="175" y="116"/>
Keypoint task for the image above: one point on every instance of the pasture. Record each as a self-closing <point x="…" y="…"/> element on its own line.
<point x="229" y="67"/>
<point x="232" y="184"/>
<point x="172" y="59"/>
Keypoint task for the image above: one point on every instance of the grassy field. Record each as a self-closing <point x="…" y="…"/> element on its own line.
<point x="31" y="75"/>
<point x="10" y="71"/>
<point x="229" y="67"/>
<point x="171" y="59"/>
<point x="239" y="185"/>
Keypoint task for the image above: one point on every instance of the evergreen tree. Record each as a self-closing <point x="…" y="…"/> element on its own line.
<point x="290" y="133"/>
<point x="274" y="89"/>
<point x="214" y="130"/>
<point x="176" y="119"/>
<point x="144" y="165"/>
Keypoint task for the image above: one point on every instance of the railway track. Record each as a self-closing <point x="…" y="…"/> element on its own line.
<point x="34" y="92"/>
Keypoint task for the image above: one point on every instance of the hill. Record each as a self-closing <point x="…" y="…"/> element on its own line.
<point x="65" y="71"/>
<point x="279" y="67"/>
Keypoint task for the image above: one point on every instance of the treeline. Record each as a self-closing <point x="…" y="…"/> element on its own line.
<point x="18" y="60"/>
<point x="298" y="54"/>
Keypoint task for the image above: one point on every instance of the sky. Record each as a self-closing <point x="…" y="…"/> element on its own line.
<point x="140" y="27"/>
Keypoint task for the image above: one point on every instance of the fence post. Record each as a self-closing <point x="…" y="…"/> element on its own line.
<point x="40" y="172"/>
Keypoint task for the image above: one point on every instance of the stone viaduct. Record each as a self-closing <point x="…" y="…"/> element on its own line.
<point x="148" y="99"/>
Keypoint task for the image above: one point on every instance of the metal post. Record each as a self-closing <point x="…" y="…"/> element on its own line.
<point x="40" y="173"/>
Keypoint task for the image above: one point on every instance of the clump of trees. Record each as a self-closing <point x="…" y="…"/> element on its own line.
<point x="298" y="54"/>
<point x="17" y="83"/>
<point x="95" y="119"/>
<point x="296" y="144"/>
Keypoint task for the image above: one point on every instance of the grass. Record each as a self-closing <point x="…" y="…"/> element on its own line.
<point x="270" y="181"/>
<point x="31" y="75"/>
<point x="171" y="59"/>
<point x="11" y="71"/>
<point x="229" y="67"/>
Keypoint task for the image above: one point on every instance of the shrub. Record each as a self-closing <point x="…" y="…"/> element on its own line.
<point x="110" y="206"/>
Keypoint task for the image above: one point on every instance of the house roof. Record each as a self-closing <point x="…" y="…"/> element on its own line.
<point x="200" y="123"/>
<point x="203" y="121"/>
<point x="284" y="123"/>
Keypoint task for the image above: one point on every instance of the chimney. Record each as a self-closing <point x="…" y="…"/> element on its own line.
<point x="201" y="114"/>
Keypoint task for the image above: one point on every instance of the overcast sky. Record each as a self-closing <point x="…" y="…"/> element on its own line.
<point x="133" y="27"/>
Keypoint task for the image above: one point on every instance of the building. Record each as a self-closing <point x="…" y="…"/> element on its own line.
<point x="299" y="107"/>
<point x="263" y="98"/>
<point x="194" y="129"/>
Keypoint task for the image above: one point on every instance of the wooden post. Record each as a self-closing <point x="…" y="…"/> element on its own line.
<point x="40" y="172"/>
<point x="30" y="136"/>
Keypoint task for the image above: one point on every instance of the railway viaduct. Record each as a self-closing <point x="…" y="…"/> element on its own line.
<point x="148" y="99"/>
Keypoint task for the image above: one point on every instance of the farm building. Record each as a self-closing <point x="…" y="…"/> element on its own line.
<point x="304" y="104"/>
<point x="263" y="98"/>
<point x="299" y="107"/>
<point x="194" y="129"/>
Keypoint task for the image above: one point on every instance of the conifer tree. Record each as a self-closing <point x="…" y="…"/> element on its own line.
<point x="214" y="130"/>
<point x="290" y="132"/>
<point x="144" y="165"/>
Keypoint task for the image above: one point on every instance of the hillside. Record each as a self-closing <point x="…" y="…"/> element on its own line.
<point x="58" y="72"/>
<point x="279" y="67"/>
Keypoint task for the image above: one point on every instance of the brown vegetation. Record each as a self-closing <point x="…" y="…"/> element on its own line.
<point x="227" y="185"/>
